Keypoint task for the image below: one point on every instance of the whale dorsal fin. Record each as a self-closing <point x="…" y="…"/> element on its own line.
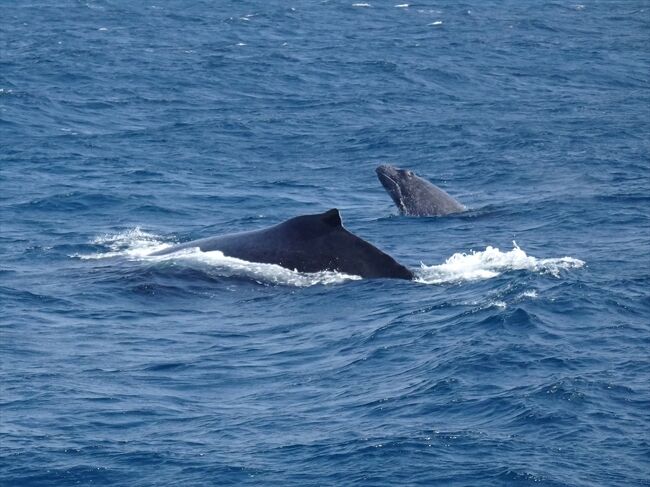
<point x="332" y="218"/>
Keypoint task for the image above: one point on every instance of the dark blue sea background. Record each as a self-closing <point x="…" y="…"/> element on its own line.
<point x="518" y="356"/>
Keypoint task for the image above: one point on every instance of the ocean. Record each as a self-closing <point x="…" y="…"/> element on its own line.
<point x="517" y="356"/>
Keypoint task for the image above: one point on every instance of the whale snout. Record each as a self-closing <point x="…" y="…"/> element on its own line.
<point x="385" y="170"/>
<point x="388" y="176"/>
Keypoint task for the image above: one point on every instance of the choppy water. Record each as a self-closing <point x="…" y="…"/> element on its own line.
<point x="519" y="355"/>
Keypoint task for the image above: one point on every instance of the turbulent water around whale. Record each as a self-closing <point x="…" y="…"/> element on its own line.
<point x="518" y="354"/>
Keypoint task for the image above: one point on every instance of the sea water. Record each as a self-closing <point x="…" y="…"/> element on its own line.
<point x="519" y="353"/>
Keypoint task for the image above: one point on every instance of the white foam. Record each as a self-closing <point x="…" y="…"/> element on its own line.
<point x="133" y="243"/>
<point x="490" y="263"/>
<point x="361" y="5"/>
<point x="217" y="264"/>
<point x="402" y="5"/>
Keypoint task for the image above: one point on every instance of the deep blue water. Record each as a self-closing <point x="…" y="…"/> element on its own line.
<point x="126" y="126"/>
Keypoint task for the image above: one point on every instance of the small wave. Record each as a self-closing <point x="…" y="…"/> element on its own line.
<point x="490" y="263"/>
<point x="529" y="294"/>
<point x="134" y="243"/>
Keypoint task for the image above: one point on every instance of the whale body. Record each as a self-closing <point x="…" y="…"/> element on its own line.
<point x="307" y="243"/>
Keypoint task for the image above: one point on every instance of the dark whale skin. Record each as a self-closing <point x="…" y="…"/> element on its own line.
<point x="307" y="243"/>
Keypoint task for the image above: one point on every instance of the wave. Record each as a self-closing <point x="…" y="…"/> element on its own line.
<point x="138" y="245"/>
<point x="490" y="263"/>
<point x="133" y="243"/>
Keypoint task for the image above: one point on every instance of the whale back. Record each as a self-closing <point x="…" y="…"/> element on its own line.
<point x="307" y="243"/>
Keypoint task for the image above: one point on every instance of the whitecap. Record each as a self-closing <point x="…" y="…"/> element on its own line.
<point x="491" y="262"/>
<point x="134" y="243"/>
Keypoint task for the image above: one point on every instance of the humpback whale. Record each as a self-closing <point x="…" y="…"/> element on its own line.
<point x="307" y="243"/>
<point x="415" y="196"/>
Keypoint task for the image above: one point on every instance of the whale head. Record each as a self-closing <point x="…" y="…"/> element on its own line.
<point x="416" y="196"/>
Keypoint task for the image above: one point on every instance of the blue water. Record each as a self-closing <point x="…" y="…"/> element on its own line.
<point x="128" y="126"/>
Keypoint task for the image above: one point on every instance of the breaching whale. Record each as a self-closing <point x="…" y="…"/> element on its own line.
<point x="307" y="243"/>
<point x="415" y="196"/>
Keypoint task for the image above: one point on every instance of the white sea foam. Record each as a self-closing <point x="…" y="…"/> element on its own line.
<point x="361" y="5"/>
<point x="217" y="264"/>
<point x="529" y="294"/>
<point x="133" y="243"/>
<point x="490" y="263"/>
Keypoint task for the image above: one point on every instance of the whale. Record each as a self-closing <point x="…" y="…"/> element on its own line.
<point x="415" y="196"/>
<point x="306" y="243"/>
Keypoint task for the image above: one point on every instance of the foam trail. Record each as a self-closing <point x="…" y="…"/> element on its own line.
<point x="217" y="264"/>
<point x="133" y="243"/>
<point x="490" y="263"/>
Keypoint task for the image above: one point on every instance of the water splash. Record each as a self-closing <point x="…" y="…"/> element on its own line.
<point x="490" y="263"/>
<point x="134" y="243"/>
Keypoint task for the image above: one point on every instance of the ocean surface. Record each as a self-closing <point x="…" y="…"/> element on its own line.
<point x="520" y="354"/>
